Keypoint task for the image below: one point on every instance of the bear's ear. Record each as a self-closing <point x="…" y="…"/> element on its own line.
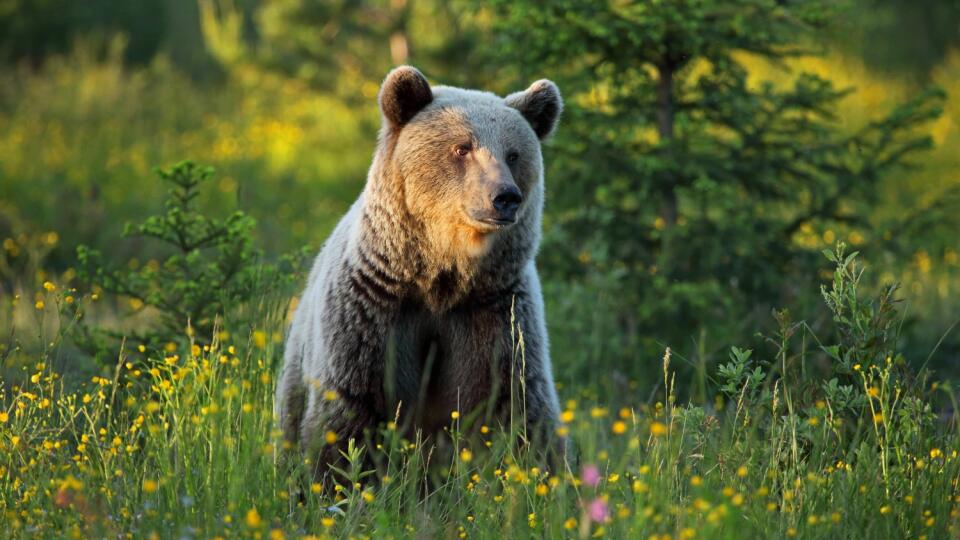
<point x="404" y="93"/>
<point x="540" y="104"/>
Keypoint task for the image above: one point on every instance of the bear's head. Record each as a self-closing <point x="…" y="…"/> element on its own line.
<point x="469" y="162"/>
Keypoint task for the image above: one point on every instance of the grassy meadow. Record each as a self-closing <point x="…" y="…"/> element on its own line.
<point x="800" y="387"/>
<point x="180" y="441"/>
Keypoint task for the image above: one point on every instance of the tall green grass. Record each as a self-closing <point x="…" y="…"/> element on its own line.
<point x="180" y="442"/>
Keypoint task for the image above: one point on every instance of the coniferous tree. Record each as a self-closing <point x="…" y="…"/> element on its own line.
<point x="694" y="190"/>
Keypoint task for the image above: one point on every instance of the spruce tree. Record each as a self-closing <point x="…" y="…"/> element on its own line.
<point x="693" y="190"/>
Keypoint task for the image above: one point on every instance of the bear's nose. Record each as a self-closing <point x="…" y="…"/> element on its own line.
<point x="507" y="201"/>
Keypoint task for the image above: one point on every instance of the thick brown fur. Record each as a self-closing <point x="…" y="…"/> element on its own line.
<point x="410" y="302"/>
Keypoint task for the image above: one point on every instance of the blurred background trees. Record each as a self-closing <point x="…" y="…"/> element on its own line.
<point x="709" y="151"/>
<point x="708" y="192"/>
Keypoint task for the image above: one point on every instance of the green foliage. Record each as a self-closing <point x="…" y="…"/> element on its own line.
<point x="345" y="47"/>
<point x="696" y="188"/>
<point x="81" y="127"/>
<point x="900" y="36"/>
<point x="862" y="401"/>
<point x="738" y="376"/>
<point x="686" y="197"/>
<point x="290" y="123"/>
<point x="210" y="265"/>
<point x="185" y="443"/>
<point x="867" y="329"/>
<point x="33" y="30"/>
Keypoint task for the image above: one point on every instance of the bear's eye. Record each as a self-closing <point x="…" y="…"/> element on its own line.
<point x="463" y="149"/>
<point x="512" y="158"/>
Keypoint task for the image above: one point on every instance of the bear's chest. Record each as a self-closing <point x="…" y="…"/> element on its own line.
<point x="444" y="289"/>
<point x="426" y="380"/>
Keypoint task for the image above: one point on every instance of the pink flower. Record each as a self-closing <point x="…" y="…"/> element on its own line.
<point x="590" y="475"/>
<point x="598" y="510"/>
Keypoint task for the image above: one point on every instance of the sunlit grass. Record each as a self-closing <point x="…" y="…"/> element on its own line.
<point x="181" y="442"/>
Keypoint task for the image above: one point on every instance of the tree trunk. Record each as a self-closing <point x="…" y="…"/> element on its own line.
<point x="184" y="41"/>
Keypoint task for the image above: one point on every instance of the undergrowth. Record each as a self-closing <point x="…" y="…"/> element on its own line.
<point x="819" y="437"/>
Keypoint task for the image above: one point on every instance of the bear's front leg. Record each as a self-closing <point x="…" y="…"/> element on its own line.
<point x="499" y="366"/>
<point x="346" y="396"/>
<point x="334" y="418"/>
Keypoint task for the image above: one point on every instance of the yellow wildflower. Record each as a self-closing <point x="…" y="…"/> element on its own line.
<point x="253" y="519"/>
<point x="598" y="412"/>
<point x="260" y="339"/>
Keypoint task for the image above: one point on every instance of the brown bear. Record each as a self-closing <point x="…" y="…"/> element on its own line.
<point x="425" y="298"/>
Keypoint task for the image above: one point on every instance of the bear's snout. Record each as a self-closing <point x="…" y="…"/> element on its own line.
<point x="506" y="202"/>
<point x="497" y="204"/>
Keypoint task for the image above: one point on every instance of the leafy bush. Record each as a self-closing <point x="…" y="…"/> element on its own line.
<point x="211" y="267"/>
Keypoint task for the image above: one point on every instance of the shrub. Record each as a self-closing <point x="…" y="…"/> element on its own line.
<point x="211" y="268"/>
